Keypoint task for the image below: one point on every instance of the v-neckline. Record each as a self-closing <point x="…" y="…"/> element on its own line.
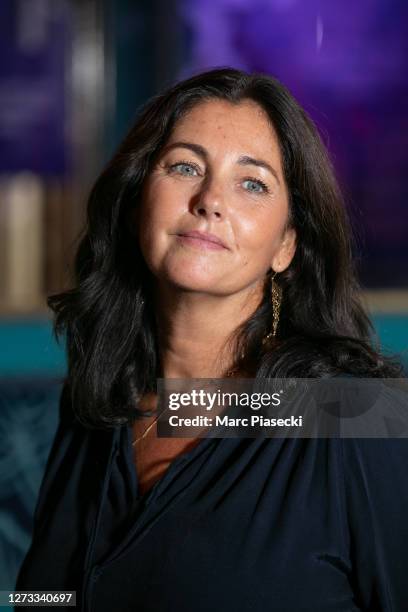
<point x="151" y="505"/>
<point x="147" y="496"/>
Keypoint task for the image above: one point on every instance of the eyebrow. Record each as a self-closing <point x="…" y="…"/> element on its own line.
<point x="244" y="160"/>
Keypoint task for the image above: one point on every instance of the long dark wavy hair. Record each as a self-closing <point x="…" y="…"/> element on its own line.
<point x="107" y="318"/>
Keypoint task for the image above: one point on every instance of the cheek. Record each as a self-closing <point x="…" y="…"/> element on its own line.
<point x="161" y="205"/>
<point x="158" y="218"/>
<point x="259" y="235"/>
<point x="152" y="211"/>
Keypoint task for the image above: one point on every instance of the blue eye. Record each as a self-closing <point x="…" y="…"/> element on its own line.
<point x="255" y="186"/>
<point x="184" y="168"/>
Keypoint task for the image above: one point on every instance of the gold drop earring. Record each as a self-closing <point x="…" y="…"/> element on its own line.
<point x="276" y="298"/>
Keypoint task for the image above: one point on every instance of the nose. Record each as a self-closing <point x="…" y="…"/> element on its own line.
<point x="209" y="202"/>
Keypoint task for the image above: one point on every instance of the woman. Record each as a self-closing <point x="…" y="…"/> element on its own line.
<point x="217" y="245"/>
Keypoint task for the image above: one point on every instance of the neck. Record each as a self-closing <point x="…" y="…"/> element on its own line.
<point x="196" y="331"/>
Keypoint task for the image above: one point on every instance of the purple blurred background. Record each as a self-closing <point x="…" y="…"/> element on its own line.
<point x="33" y="97"/>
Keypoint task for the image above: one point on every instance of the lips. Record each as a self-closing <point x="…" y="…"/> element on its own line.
<point x="204" y="236"/>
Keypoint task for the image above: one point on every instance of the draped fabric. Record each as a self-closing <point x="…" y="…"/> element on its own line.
<point x="235" y="524"/>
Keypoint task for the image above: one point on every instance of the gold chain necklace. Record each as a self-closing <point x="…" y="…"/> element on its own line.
<point x="229" y="374"/>
<point x="144" y="434"/>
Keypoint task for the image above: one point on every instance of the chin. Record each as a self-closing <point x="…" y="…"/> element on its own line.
<point x="189" y="272"/>
<point x="192" y="282"/>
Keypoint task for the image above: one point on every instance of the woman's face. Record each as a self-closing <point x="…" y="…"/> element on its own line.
<point x="215" y="206"/>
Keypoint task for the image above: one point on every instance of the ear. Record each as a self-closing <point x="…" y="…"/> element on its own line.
<point x="286" y="251"/>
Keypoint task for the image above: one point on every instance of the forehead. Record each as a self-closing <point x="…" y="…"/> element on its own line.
<point x="244" y="127"/>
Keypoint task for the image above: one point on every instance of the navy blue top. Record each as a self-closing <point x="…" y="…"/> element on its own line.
<point x="238" y="525"/>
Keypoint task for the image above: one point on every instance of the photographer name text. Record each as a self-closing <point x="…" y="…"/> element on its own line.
<point x="226" y="421"/>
